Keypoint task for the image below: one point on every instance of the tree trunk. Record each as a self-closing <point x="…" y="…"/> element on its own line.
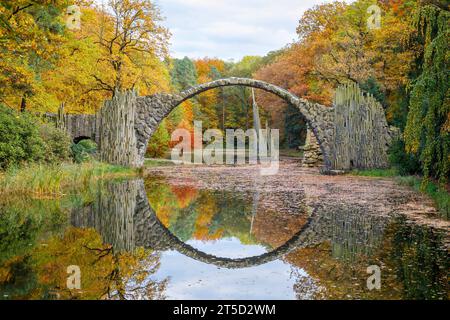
<point x="23" y="104"/>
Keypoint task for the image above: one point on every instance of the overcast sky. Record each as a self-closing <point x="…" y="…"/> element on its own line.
<point x="231" y="29"/>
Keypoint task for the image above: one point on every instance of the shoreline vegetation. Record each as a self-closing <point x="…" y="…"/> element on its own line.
<point x="439" y="194"/>
<point x="57" y="180"/>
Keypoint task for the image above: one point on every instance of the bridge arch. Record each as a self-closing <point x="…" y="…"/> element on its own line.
<point x="257" y="84"/>
<point x="300" y="240"/>
<point x="78" y="139"/>
<point x="152" y="110"/>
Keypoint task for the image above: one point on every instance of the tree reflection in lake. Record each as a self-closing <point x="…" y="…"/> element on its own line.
<point x="38" y="244"/>
<point x="343" y="241"/>
<point x="413" y="260"/>
<point x="419" y="259"/>
<point x="150" y="240"/>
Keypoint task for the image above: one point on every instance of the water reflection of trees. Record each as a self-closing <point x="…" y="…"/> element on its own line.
<point x="110" y="235"/>
<point x="419" y="260"/>
<point x="22" y="221"/>
<point x="205" y="216"/>
<point x="214" y="214"/>
<point x="341" y="241"/>
<point x="105" y="274"/>
<point x="413" y="259"/>
<point x="37" y="245"/>
<point x="200" y="215"/>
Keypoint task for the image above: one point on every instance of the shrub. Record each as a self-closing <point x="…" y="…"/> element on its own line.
<point x="84" y="150"/>
<point x="20" y="140"/>
<point x="405" y="163"/>
<point x="57" y="144"/>
<point x="25" y="139"/>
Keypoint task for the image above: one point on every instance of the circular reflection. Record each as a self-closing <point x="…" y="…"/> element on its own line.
<point x="124" y="217"/>
<point x="297" y="241"/>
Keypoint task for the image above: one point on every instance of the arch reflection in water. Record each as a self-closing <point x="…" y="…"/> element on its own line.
<point x="264" y="254"/>
<point x="124" y="217"/>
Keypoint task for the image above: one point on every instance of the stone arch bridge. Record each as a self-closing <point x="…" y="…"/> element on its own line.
<point x="351" y="134"/>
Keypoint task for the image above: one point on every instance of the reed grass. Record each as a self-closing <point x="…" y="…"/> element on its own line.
<point x="39" y="180"/>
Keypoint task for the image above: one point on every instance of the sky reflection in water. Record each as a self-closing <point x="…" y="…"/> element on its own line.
<point x="190" y="279"/>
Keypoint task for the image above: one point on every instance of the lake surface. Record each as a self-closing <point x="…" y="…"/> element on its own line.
<point x="157" y="239"/>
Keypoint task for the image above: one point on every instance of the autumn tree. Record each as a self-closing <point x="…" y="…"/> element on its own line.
<point x="30" y="34"/>
<point x="44" y="63"/>
<point x="132" y="42"/>
<point x="209" y="69"/>
<point x="71" y="82"/>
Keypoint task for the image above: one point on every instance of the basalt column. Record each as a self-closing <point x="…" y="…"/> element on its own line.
<point x="118" y="143"/>
<point x="361" y="133"/>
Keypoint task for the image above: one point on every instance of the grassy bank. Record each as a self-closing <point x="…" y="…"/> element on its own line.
<point x="440" y="196"/>
<point x="39" y="180"/>
<point x="376" y="173"/>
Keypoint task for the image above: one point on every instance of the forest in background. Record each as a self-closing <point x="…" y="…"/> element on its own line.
<point x="124" y="46"/>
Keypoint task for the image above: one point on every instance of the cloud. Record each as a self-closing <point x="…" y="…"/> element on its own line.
<point x="231" y="29"/>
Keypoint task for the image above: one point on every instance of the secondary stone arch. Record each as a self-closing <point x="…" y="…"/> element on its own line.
<point x="152" y="110"/>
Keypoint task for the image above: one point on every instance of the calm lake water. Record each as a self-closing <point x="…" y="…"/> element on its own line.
<point x="149" y="239"/>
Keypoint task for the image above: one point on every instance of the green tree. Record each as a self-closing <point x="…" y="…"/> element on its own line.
<point x="238" y="99"/>
<point x="373" y="87"/>
<point x="427" y="132"/>
<point x="295" y="128"/>
<point x="183" y="74"/>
